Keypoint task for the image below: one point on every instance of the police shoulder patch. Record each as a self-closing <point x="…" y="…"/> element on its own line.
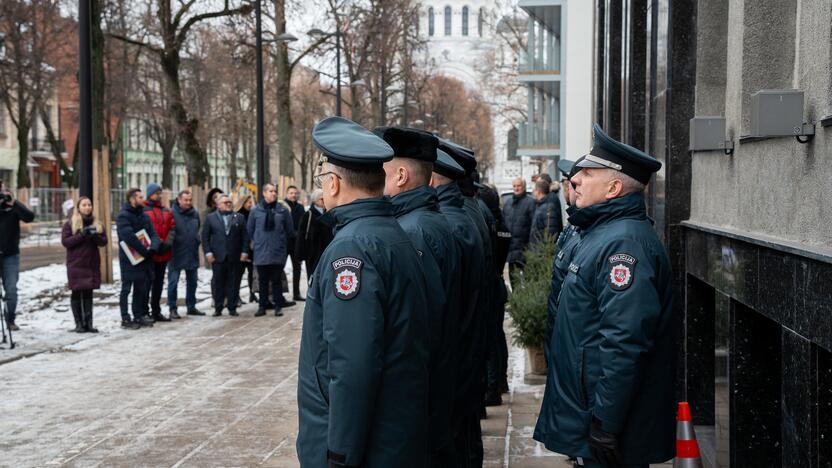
<point x="347" y="277"/>
<point x="622" y="270"/>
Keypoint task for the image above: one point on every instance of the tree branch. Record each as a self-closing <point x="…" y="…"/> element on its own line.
<point x="135" y="42"/>
<point x="183" y="33"/>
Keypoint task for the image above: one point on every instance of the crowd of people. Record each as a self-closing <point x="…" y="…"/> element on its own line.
<point x="402" y="347"/>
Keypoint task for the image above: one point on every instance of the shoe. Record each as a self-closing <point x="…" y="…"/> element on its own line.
<point x="239" y="302"/>
<point x="12" y="326"/>
<point x="233" y="313"/>
<point x="158" y="317"/>
<point x="196" y="312"/>
<point x="504" y="387"/>
<point x="78" y="329"/>
<point x="299" y="299"/>
<point x="146" y="322"/>
<point x="217" y="313"/>
<point x="278" y="313"/>
<point x="270" y="305"/>
<point x="252" y="298"/>
<point x="174" y="315"/>
<point x="130" y="325"/>
<point x="287" y="303"/>
<point x="260" y="312"/>
<point x="91" y="330"/>
<point x="493" y="397"/>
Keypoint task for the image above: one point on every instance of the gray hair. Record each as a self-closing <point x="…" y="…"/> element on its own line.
<point x="317" y="194"/>
<point x="628" y="184"/>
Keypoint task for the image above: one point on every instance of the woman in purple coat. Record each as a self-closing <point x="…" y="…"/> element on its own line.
<point x="82" y="236"/>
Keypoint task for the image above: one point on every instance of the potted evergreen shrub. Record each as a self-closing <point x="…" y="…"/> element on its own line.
<point x="528" y="301"/>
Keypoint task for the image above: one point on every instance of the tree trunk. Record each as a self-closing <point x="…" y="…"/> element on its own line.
<point x="232" y="161"/>
<point x="284" y="109"/>
<point x="23" y="180"/>
<point x="167" y="164"/>
<point x="247" y="160"/>
<point x="195" y="157"/>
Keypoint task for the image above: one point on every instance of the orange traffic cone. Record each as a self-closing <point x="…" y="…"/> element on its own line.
<point x="687" y="448"/>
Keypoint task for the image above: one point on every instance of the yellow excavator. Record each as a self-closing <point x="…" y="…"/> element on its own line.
<point x="252" y="188"/>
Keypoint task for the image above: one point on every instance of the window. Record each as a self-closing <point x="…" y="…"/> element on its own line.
<point x="447" y="21"/>
<point x="465" y="21"/>
<point x="480" y="21"/>
<point x="430" y="21"/>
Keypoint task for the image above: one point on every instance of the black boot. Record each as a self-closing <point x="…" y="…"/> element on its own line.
<point x="75" y="304"/>
<point x="493" y="396"/>
<point x="174" y="315"/>
<point x="260" y="312"/>
<point x="86" y="313"/>
<point x="158" y="317"/>
<point x="144" y="321"/>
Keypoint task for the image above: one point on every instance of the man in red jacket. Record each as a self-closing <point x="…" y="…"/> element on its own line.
<point x="162" y="220"/>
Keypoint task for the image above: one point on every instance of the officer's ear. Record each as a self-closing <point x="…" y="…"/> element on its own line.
<point x="615" y="188"/>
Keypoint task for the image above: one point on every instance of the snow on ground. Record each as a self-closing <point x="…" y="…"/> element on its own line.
<point x="45" y="317"/>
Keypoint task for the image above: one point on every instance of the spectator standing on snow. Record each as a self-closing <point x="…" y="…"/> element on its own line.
<point x="269" y="228"/>
<point x="185" y="253"/>
<point x="129" y="222"/>
<point x="12" y="212"/>
<point x="245" y="207"/>
<point x="162" y="220"/>
<point x="82" y="235"/>
<point x="226" y="245"/>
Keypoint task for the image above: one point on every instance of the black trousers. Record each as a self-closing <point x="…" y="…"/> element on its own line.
<point x="241" y="271"/>
<point x="468" y="442"/>
<point x="295" y="276"/>
<point x="139" y="305"/>
<point x="269" y="276"/>
<point x="224" y="284"/>
<point x="156" y="287"/>
<point x="81" y="303"/>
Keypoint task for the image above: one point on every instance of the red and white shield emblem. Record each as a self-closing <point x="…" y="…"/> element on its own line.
<point x="346" y="283"/>
<point x="620" y="276"/>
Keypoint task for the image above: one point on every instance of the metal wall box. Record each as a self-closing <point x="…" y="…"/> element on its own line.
<point x="707" y="133"/>
<point x="777" y="112"/>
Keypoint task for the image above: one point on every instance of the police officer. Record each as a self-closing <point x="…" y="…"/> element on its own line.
<point x="609" y="394"/>
<point x="363" y="370"/>
<point x="471" y="344"/>
<point x="416" y="207"/>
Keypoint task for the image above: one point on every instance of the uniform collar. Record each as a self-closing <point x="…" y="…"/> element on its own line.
<point x="340" y="216"/>
<point x="628" y="206"/>
<point x="449" y="194"/>
<point x="423" y="197"/>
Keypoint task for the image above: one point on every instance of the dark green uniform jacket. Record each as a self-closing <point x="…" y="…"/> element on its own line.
<point x="613" y="348"/>
<point x="565" y="244"/>
<point x="430" y="232"/>
<point x="470" y="345"/>
<point x="363" y="370"/>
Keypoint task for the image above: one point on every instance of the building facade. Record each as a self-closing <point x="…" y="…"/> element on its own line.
<point x="747" y="232"/>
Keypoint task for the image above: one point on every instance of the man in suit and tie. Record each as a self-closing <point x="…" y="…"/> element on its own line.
<point x="225" y="242"/>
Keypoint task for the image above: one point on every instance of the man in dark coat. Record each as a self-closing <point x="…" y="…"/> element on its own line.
<point x="416" y="208"/>
<point x="129" y="223"/>
<point x="548" y="219"/>
<point x="518" y="213"/>
<point x="297" y="211"/>
<point x="313" y="235"/>
<point x="473" y="319"/>
<point x="225" y="242"/>
<point x="269" y="228"/>
<point x="185" y="253"/>
<point x="12" y="212"/>
<point x="363" y="370"/>
<point x="609" y="398"/>
<point x="163" y="223"/>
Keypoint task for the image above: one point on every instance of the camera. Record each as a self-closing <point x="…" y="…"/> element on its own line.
<point x="6" y="198"/>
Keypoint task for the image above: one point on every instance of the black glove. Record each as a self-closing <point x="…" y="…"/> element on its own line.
<point x="88" y="231"/>
<point x="165" y="246"/>
<point x="603" y="445"/>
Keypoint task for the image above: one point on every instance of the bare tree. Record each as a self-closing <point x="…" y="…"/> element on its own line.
<point x="173" y="27"/>
<point x="31" y="31"/>
<point x="308" y="110"/>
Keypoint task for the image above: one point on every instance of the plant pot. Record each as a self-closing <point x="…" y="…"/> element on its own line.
<point x="537" y="360"/>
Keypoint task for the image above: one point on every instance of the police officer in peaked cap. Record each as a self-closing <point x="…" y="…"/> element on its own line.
<point x="471" y="344"/>
<point x="416" y="207"/>
<point x="609" y="398"/>
<point x="363" y="370"/>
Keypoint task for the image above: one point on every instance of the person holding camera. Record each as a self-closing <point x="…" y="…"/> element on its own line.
<point x="82" y="235"/>
<point x="12" y="212"/>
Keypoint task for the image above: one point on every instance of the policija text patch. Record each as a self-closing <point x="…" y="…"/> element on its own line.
<point x="622" y="268"/>
<point x="347" y="277"/>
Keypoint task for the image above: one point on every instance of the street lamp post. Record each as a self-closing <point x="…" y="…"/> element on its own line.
<point x="318" y="32"/>
<point x="85" y="98"/>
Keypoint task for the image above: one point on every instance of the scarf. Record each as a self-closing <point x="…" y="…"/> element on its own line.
<point x="269" y="207"/>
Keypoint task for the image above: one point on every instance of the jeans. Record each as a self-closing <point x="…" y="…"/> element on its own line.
<point x="190" y="288"/>
<point x="139" y="306"/>
<point x="270" y="274"/>
<point x="9" y="272"/>
<point x="156" y="287"/>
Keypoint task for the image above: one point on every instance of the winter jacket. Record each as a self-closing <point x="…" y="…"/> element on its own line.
<point x="547" y="218"/>
<point x="613" y="350"/>
<point x="518" y="213"/>
<point x="363" y="370"/>
<point x="186" y="238"/>
<point x="162" y="220"/>
<point x="10" y="218"/>
<point x="269" y="247"/>
<point x="313" y="237"/>
<point x="297" y="213"/>
<point x="128" y="222"/>
<point x="83" y="262"/>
